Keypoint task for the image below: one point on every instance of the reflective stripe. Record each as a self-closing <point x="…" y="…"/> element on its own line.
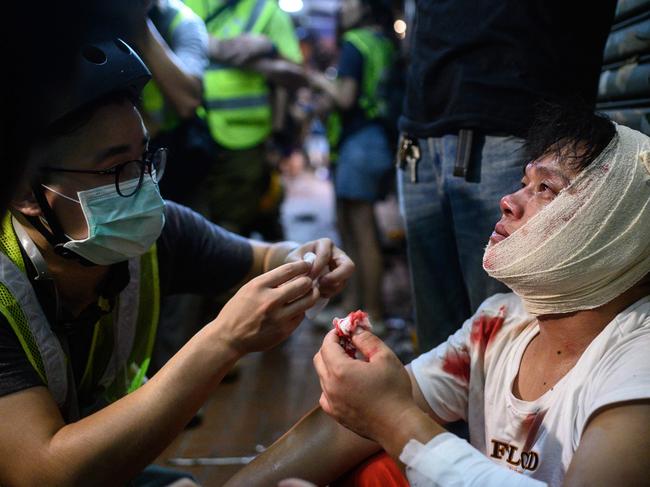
<point x="241" y="102"/>
<point x="49" y="348"/>
<point x="218" y="66"/>
<point x="124" y="331"/>
<point x="254" y="15"/>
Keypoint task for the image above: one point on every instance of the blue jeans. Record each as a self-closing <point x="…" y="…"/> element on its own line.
<point x="365" y="165"/>
<point x="448" y="222"/>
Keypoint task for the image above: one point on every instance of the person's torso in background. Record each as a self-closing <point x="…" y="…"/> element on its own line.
<point x="367" y="56"/>
<point x="486" y="64"/>
<point x="237" y="100"/>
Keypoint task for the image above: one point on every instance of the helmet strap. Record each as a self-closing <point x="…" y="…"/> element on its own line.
<point x="55" y="235"/>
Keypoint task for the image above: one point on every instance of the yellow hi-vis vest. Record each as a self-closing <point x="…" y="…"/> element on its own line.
<point x="238" y="109"/>
<point x="378" y="55"/>
<point x="122" y="341"/>
<point x="153" y="101"/>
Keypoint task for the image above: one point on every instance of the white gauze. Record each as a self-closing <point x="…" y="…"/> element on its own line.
<point x="591" y="243"/>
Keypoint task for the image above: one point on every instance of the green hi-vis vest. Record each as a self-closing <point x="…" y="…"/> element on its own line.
<point x="378" y="56"/>
<point x="238" y="109"/>
<point x="378" y="53"/>
<point x="153" y="101"/>
<point x="122" y="341"/>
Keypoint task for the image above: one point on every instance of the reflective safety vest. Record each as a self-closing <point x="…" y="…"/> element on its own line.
<point x="153" y="101"/>
<point x="122" y="340"/>
<point x="238" y="109"/>
<point x="378" y="55"/>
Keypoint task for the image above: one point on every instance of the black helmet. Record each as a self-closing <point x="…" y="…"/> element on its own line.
<point x="101" y="68"/>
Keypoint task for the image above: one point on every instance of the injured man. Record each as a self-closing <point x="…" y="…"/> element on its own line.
<point x="553" y="378"/>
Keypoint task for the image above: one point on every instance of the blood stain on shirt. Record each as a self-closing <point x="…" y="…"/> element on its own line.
<point x="485" y="328"/>
<point x="457" y="363"/>
<point x="530" y="427"/>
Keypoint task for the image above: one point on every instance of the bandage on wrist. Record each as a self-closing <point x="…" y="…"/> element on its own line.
<point x="449" y="461"/>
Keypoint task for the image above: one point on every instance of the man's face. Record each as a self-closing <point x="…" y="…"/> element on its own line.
<point x="115" y="134"/>
<point x="542" y="181"/>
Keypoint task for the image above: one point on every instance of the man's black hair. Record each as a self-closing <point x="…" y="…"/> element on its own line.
<point x="572" y="131"/>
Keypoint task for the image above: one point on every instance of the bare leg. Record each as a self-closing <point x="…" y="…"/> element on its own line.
<point x="370" y="262"/>
<point x="352" y="293"/>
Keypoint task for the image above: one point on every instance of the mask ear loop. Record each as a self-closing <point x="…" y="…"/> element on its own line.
<point x="55" y="236"/>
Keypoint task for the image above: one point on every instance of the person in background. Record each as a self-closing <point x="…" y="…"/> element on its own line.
<point x="173" y="42"/>
<point x="477" y="73"/>
<point x="253" y="52"/>
<point x="87" y="253"/>
<point x="365" y="154"/>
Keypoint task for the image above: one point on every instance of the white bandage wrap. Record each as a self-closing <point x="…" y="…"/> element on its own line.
<point x="591" y="243"/>
<point x="448" y="461"/>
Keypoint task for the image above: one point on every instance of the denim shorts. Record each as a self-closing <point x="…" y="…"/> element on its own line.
<point x="365" y="165"/>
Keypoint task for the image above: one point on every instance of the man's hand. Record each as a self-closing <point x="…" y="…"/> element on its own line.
<point x="369" y="397"/>
<point x="329" y="256"/>
<point x="240" y="50"/>
<point x="267" y="309"/>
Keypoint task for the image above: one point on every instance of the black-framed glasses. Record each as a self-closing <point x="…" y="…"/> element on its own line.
<point x="128" y="175"/>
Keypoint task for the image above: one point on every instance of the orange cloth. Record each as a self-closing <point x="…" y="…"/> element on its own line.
<point x="379" y="470"/>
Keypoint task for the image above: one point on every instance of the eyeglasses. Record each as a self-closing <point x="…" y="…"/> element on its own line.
<point x="125" y="173"/>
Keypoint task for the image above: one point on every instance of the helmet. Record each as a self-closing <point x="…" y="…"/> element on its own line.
<point x="101" y="68"/>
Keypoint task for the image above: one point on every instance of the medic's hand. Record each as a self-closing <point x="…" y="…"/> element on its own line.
<point x="267" y="309"/>
<point x="370" y="397"/>
<point x="329" y="255"/>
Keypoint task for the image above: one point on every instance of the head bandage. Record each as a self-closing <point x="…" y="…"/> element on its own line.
<point x="591" y="243"/>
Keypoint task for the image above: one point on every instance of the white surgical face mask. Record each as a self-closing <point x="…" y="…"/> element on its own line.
<point x="119" y="228"/>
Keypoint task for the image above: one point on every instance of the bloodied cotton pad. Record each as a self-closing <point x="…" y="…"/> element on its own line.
<point x="348" y="326"/>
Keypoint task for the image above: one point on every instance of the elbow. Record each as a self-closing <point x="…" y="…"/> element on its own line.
<point x="345" y="104"/>
<point x="344" y="100"/>
<point x="190" y="100"/>
<point x="186" y="108"/>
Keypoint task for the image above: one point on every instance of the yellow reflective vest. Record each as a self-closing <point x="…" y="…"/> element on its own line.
<point x="153" y="101"/>
<point x="238" y="109"/>
<point x="122" y="341"/>
<point x="378" y="54"/>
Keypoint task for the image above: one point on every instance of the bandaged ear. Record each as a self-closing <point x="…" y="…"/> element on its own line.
<point x="591" y="243"/>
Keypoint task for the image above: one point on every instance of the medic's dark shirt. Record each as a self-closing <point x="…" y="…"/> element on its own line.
<point x="486" y="64"/>
<point x="194" y="256"/>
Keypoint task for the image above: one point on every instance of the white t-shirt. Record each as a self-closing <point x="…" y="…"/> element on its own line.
<point x="471" y="375"/>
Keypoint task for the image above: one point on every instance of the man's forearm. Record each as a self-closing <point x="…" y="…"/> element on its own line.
<point x="114" y="444"/>
<point x="182" y="90"/>
<point x="317" y="449"/>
